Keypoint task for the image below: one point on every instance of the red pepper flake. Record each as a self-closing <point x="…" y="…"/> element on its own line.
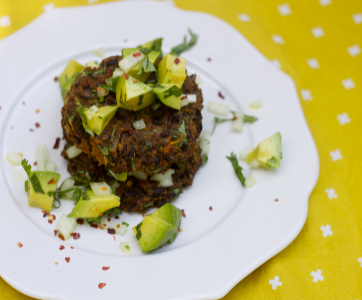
<point x="183" y="213"/>
<point x="55" y="79"/>
<point x="35" y="163"/>
<point x="105" y="268"/>
<point x="100" y="227"/>
<point x="177" y="61"/>
<point x="31" y="129"/>
<point x="210" y="208"/>
<point x="20" y="245"/>
<point x="67" y="259"/>
<point x="94" y="225"/>
<point x="108" y="219"/>
<point x="57" y="143"/>
<point x="114" y="238"/>
<point x="276" y="200"/>
<point x="233" y="119"/>
<point x="136" y="54"/>
<point x="109" y="215"/>
<point x="105" y="225"/>
<point x="11" y="127"/>
<point x="50" y="221"/>
<point x="80" y="221"/>
<point x="111" y="231"/>
<point x="45" y="212"/>
<point x="54" y="217"/>
<point x="109" y="71"/>
<point x="116" y="217"/>
<point x="71" y="247"/>
<point x="87" y="68"/>
<point x="221" y="95"/>
<point x="61" y="237"/>
<point x="61" y="247"/>
<point x="77" y="236"/>
<point x="55" y="232"/>
<point x="135" y="81"/>
<point x="126" y="76"/>
<point x="118" y="225"/>
<point x="44" y="215"/>
<point x="23" y="103"/>
<point x="179" y="230"/>
<point x="101" y="285"/>
<point x="37" y="111"/>
<point x="37" y="125"/>
<point x="52" y="181"/>
<point x="0" y="107"/>
<point x="184" y="97"/>
<point x="208" y="59"/>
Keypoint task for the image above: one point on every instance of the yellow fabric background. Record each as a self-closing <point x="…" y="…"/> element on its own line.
<point x="338" y="256"/>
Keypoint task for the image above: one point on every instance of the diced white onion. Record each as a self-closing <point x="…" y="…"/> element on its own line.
<point x="117" y="72"/>
<point x="42" y="156"/>
<point x="254" y="164"/>
<point x="130" y="61"/>
<point x="125" y="248"/>
<point x="184" y="102"/>
<point x="73" y="151"/>
<point x="102" y="92"/>
<point x="237" y="125"/>
<point x="156" y="105"/>
<point x="66" y="226"/>
<point x="99" y="52"/>
<point x="90" y="112"/>
<point x="204" y="142"/>
<point x="139" y="175"/>
<point x="50" y="166"/>
<point x="218" y="108"/>
<point x="92" y="64"/>
<point x="198" y="80"/>
<point x="14" y="158"/>
<point x="244" y="153"/>
<point x="101" y="189"/>
<point x="121" y="230"/>
<point x="66" y="185"/>
<point x="255" y="104"/>
<point x="192" y="98"/>
<point x="249" y="182"/>
<point x="165" y="180"/>
<point x="41" y="165"/>
<point x="139" y="124"/>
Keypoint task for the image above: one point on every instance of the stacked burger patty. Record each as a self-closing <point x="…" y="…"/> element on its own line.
<point x="121" y="148"/>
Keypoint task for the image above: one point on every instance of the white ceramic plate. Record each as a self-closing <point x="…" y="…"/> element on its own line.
<point x="217" y="248"/>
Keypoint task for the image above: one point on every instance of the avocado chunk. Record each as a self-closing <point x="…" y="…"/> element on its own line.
<point x="158" y="228"/>
<point x="67" y="78"/>
<point x="168" y="94"/>
<point x="133" y="94"/>
<point x="41" y="189"/>
<point x="92" y="206"/>
<point x="99" y="119"/>
<point x="268" y="152"/>
<point x="172" y="69"/>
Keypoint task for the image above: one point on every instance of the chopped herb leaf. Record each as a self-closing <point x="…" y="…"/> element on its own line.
<point x="177" y="50"/>
<point x="127" y="247"/>
<point x="148" y="204"/>
<point x="182" y="129"/>
<point x="70" y="119"/>
<point x="77" y="194"/>
<point x="84" y="121"/>
<point x="88" y="176"/>
<point x="139" y="233"/>
<point x="27" y="167"/>
<point x="36" y="184"/>
<point x="59" y="204"/>
<point x="237" y="168"/>
<point x="26" y="183"/>
<point x="78" y="179"/>
<point x="140" y="99"/>
<point x="157" y="86"/>
<point x="176" y="191"/>
<point x="113" y="132"/>
<point x="104" y="150"/>
<point x="126" y="224"/>
<point x="85" y="196"/>
<point x="219" y="121"/>
<point x="116" y="211"/>
<point x="174" y="90"/>
<point x="146" y="66"/>
<point x="157" y="45"/>
<point x="149" y="144"/>
<point x="100" y="71"/>
<point x="180" y="164"/>
<point x="145" y="51"/>
<point x="250" y="119"/>
<point x="101" y="100"/>
<point x="205" y="158"/>
<point x="95" y="220"/>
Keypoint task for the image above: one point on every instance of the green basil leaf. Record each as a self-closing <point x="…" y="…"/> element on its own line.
<point x="126" y="224"/>
<point x="177" y="50"/>
<point x="237" y="169"/>
<point x="36" y="184"/>
<point x="146" y="66"/>
<point x="173" y="90"/>
<point x="26" y="183"/>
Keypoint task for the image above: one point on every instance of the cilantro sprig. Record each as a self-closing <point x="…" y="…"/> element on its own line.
<point x="177" y="50"/>
<point x="139" y="233"/>
<point x="173" y="90"/>
<point x="84" y="121"/>
<point x="146" y="66"/>
<point x="237" y="169"/>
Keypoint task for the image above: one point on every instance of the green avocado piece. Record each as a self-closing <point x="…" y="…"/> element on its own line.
<point x="41" y="183"/>
<point x="92" y="206"/>
<point x="155" y="44"/>
<point x="66" y="79"/>
<point x="100" y="119"/>
<point x="133" y="94"/>
<point x="172" y="69"/>
<point x="168" y="99"/>
<point x="268" y="152"/>
<point x="158" y="228"/>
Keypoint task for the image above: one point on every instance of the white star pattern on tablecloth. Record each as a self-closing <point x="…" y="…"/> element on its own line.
<point x="325" y="2"/>
<point x="317" y="32"/>
<point x="275" y="282"/>
<point x="343" y="118"/>
<point x="48" y="7"/>
<point x="360" y="260"/>
<point x="306" y="95"/>
<point x="5" y="21"/>
<point x="331" y="193"/>
<point x="336" y="155"/>
<point x="357" y="18"/>
<point x="277" y="39"/>
<point x="313" y="63"/>
<point x="276" y="63"/>
<point x="326" y="230"/>
<point x="354" y="50"/>
<point x="317" y="275"/>
<point x="348" y="83"/>
<point x="284" y="9"/>
<point x="244" y="18"/>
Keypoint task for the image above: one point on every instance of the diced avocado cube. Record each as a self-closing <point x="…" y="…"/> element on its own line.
<point x="128" y="51"/>
<point x="41" y="183"/>
<point x="172" y="70"/>
<point x="120" y="176"/>
<point x="162" y="92"/>
<point x="268" y="152"/>
<point x="99" y="120"/>
<point x="158" y="228"/>
<point x="66" y="79"/>
<point x="92" y="206"/>
<point x="133" y="94"/>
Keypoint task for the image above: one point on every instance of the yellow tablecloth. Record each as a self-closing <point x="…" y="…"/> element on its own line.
<point x="319" y="44"/>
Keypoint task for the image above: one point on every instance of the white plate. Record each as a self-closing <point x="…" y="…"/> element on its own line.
<point x="217" y="248"/>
